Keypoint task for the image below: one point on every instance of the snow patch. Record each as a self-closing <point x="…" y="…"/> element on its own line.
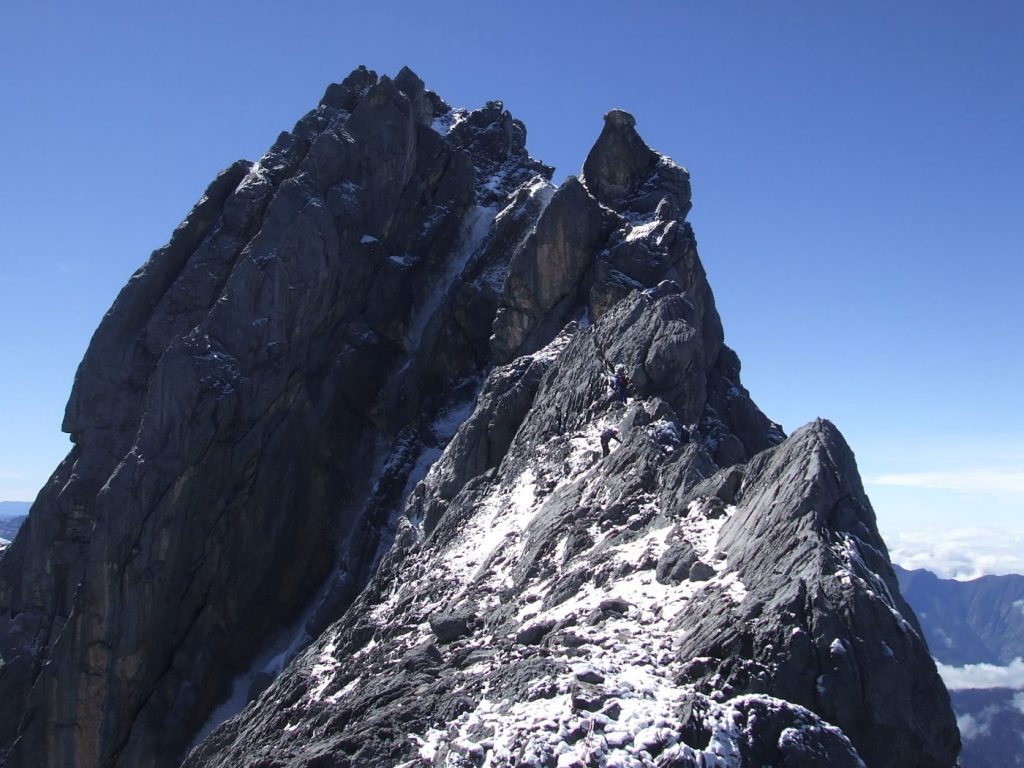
<point x="643" y="231"/>
<point x="323" y="671"/>
<point x="474" y="229"/>
<point x="443" y="124"/>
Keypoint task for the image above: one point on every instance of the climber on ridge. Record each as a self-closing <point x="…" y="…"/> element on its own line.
<point x="620" y="383"/>
<point x="607" y="435"/>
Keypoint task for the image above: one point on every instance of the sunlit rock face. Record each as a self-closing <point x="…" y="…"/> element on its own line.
<point x="349" y="447"/>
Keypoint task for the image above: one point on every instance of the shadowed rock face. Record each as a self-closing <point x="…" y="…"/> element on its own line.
<point x="248" y="414"/>
<point x="253" y="422"/>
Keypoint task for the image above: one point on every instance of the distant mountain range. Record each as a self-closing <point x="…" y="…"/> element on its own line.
<point x="12" y="515"/>
<point x="14" y="508"/>
<point x="9" y="526"/>
<point x="975" y="630"/>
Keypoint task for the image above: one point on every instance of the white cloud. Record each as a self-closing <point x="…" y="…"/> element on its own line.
<point x="959" y="553"/>
<point x="983" y="676"/>
<point x="972" y="726"/>
<point x="1018" y="702"/>
<point x="1003" y="481"/>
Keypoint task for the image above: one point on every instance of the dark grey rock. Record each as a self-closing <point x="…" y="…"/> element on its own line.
<point x="452" y="626"/>
<point x="614" y="605"/>
<point x="589" y="698"/>
<point x="675" y="562"/>
<point x="248" y="417"/>
<point x="587" y="674"/>
<point x="620" y="160"/>
<point x="546" y="274"/>
<point x="422" y="658"/>
<point x="805" y="542"/>
<point x="278" y="385"/>
<point x="532" y="634"/>
<point x="700" y="571"/>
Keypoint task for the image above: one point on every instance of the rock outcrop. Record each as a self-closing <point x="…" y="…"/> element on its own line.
<point x="358" y="403"/>
<point x="249" y="413"/>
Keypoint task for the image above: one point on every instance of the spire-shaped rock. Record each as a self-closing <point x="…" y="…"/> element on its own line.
<point x="623" y="172"/>
<point x="620" y="161"/>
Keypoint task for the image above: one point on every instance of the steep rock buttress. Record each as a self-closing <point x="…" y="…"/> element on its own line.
<point x="249" y="413"/>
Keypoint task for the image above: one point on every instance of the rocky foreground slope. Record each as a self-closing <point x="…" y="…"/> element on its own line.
<point x="396" y="287"/>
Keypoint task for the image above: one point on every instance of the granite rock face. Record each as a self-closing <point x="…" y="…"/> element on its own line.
<point x="249" y="413"/>
<point x="351" y="418"/>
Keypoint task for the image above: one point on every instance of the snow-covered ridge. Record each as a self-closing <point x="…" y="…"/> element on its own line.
<point x="616" y="640"/>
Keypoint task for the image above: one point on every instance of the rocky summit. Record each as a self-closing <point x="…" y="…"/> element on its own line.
<point x="424" y="461"/>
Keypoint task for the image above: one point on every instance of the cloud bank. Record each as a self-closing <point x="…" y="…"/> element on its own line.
<point x="959" y="553"/>
<point x="1003" y="481"/>
<point x="973" y="676"/>
<point x="978" y="724"/>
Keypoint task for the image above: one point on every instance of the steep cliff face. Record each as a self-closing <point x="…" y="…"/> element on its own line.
<point x="249" y="412"/>
<point x="253" y="422"/>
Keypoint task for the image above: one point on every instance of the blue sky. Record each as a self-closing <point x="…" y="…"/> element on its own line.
<point x="856" y="169"/>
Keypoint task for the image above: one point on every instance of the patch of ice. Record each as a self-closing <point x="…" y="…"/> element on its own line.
<point x="732" y="586"/>
<point x="584" y="319"/>
<point x="667" y="162"/>
<point x="323" y="671"/>
<point x="643" y="231"/>
<point x="448" y="422"/>
<point x="494" y="182"/>
<point x="444" y="123"/>
<point x="474" y="229"/>
<point x="348" y="688"/>
<point x="537" y="188"/>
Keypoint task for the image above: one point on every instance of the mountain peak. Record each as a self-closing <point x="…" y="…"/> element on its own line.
<point x="624" y="173"/>
<point x="619" y="161"/>
<point x="435" y="463"/>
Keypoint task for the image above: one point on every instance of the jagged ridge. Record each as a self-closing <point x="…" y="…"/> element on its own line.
<point x="322" y="323"/>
